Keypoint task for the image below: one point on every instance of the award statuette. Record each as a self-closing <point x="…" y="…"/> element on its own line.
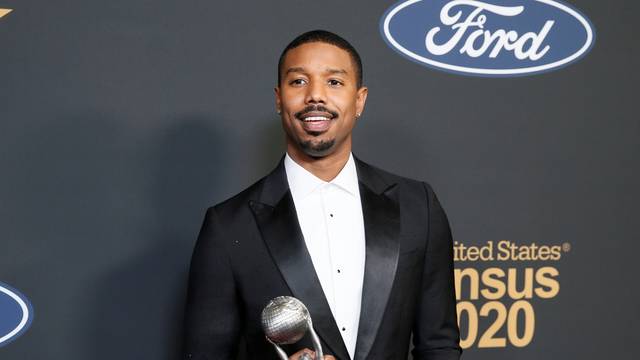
<point x="285" y="320"/>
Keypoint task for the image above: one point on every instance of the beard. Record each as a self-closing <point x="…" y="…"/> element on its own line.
<point x="317" y="149"/>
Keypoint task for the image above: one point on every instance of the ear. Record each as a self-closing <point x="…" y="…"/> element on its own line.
<point x="276" y="91"/>
<point x="361" y="99"/>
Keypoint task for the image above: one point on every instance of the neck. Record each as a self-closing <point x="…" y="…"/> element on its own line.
<point x="325" y="168"/>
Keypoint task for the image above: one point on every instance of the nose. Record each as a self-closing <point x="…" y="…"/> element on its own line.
<point x="316" y="93"/>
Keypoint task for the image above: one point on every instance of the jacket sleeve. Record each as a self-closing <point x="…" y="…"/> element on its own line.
<point x="435" y="331"/>
<point x="212" y="318"/>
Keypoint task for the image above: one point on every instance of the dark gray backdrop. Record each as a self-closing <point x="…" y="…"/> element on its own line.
<point x="121" y="121"/>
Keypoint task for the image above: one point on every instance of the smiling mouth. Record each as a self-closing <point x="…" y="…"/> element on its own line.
<point x="317" y="118"/>
<point x="316" y="124"/>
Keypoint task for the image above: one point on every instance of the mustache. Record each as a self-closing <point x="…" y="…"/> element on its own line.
<point x="316" y="108"/>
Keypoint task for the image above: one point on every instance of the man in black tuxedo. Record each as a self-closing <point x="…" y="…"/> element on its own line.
<point x="370" y="282"/>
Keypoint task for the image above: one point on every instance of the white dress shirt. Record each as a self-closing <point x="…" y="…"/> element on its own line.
<point x="330" y="217"/>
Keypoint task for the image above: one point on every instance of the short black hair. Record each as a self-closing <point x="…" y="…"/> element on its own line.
<point x="328" y="38"/>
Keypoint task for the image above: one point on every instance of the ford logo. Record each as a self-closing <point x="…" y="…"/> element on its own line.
<point x="489" y="37"/>
<point x="16" y="314"/>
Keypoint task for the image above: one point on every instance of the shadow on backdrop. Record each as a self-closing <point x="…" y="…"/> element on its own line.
<point x="139" y="304"/>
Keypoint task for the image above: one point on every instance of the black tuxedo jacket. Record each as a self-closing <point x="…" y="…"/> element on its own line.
<point x="251" y="249"/>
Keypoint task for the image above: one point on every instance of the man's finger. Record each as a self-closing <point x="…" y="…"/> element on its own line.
<point x="304" y="354"/>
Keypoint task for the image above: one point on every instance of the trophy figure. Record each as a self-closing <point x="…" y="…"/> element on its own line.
<point x="285" y="320"/>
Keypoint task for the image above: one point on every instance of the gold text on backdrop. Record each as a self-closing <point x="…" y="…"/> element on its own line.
<point x="507" y="279"/>
<point x="4" y="12"/>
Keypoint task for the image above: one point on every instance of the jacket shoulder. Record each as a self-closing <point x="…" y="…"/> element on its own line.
<point x="390" y="178"/>
<point x="241" y="199"/>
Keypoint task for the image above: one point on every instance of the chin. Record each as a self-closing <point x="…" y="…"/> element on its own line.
<point x="318" y="149"/>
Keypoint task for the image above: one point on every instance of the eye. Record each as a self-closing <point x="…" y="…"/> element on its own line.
<point x="335" y="82"/>
<point x="297" y="82"/>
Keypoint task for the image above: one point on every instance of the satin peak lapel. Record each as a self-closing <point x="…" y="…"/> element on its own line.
<point x="381" y="214"/>
<point x="281" y="232"/>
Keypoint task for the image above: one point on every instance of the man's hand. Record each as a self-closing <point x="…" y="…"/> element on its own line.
<point x="306" y="354"/>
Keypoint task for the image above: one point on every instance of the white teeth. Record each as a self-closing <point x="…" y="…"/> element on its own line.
<point x="316" y="118"/>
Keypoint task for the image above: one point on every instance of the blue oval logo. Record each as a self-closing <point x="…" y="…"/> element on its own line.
<point x="16" y="314"/>
<point x="490" y="37"/>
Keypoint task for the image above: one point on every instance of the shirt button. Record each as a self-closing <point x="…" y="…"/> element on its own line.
<point x="343" y="329"/>
<point x="338" y="271"/>
<point x="331" y="215"/>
